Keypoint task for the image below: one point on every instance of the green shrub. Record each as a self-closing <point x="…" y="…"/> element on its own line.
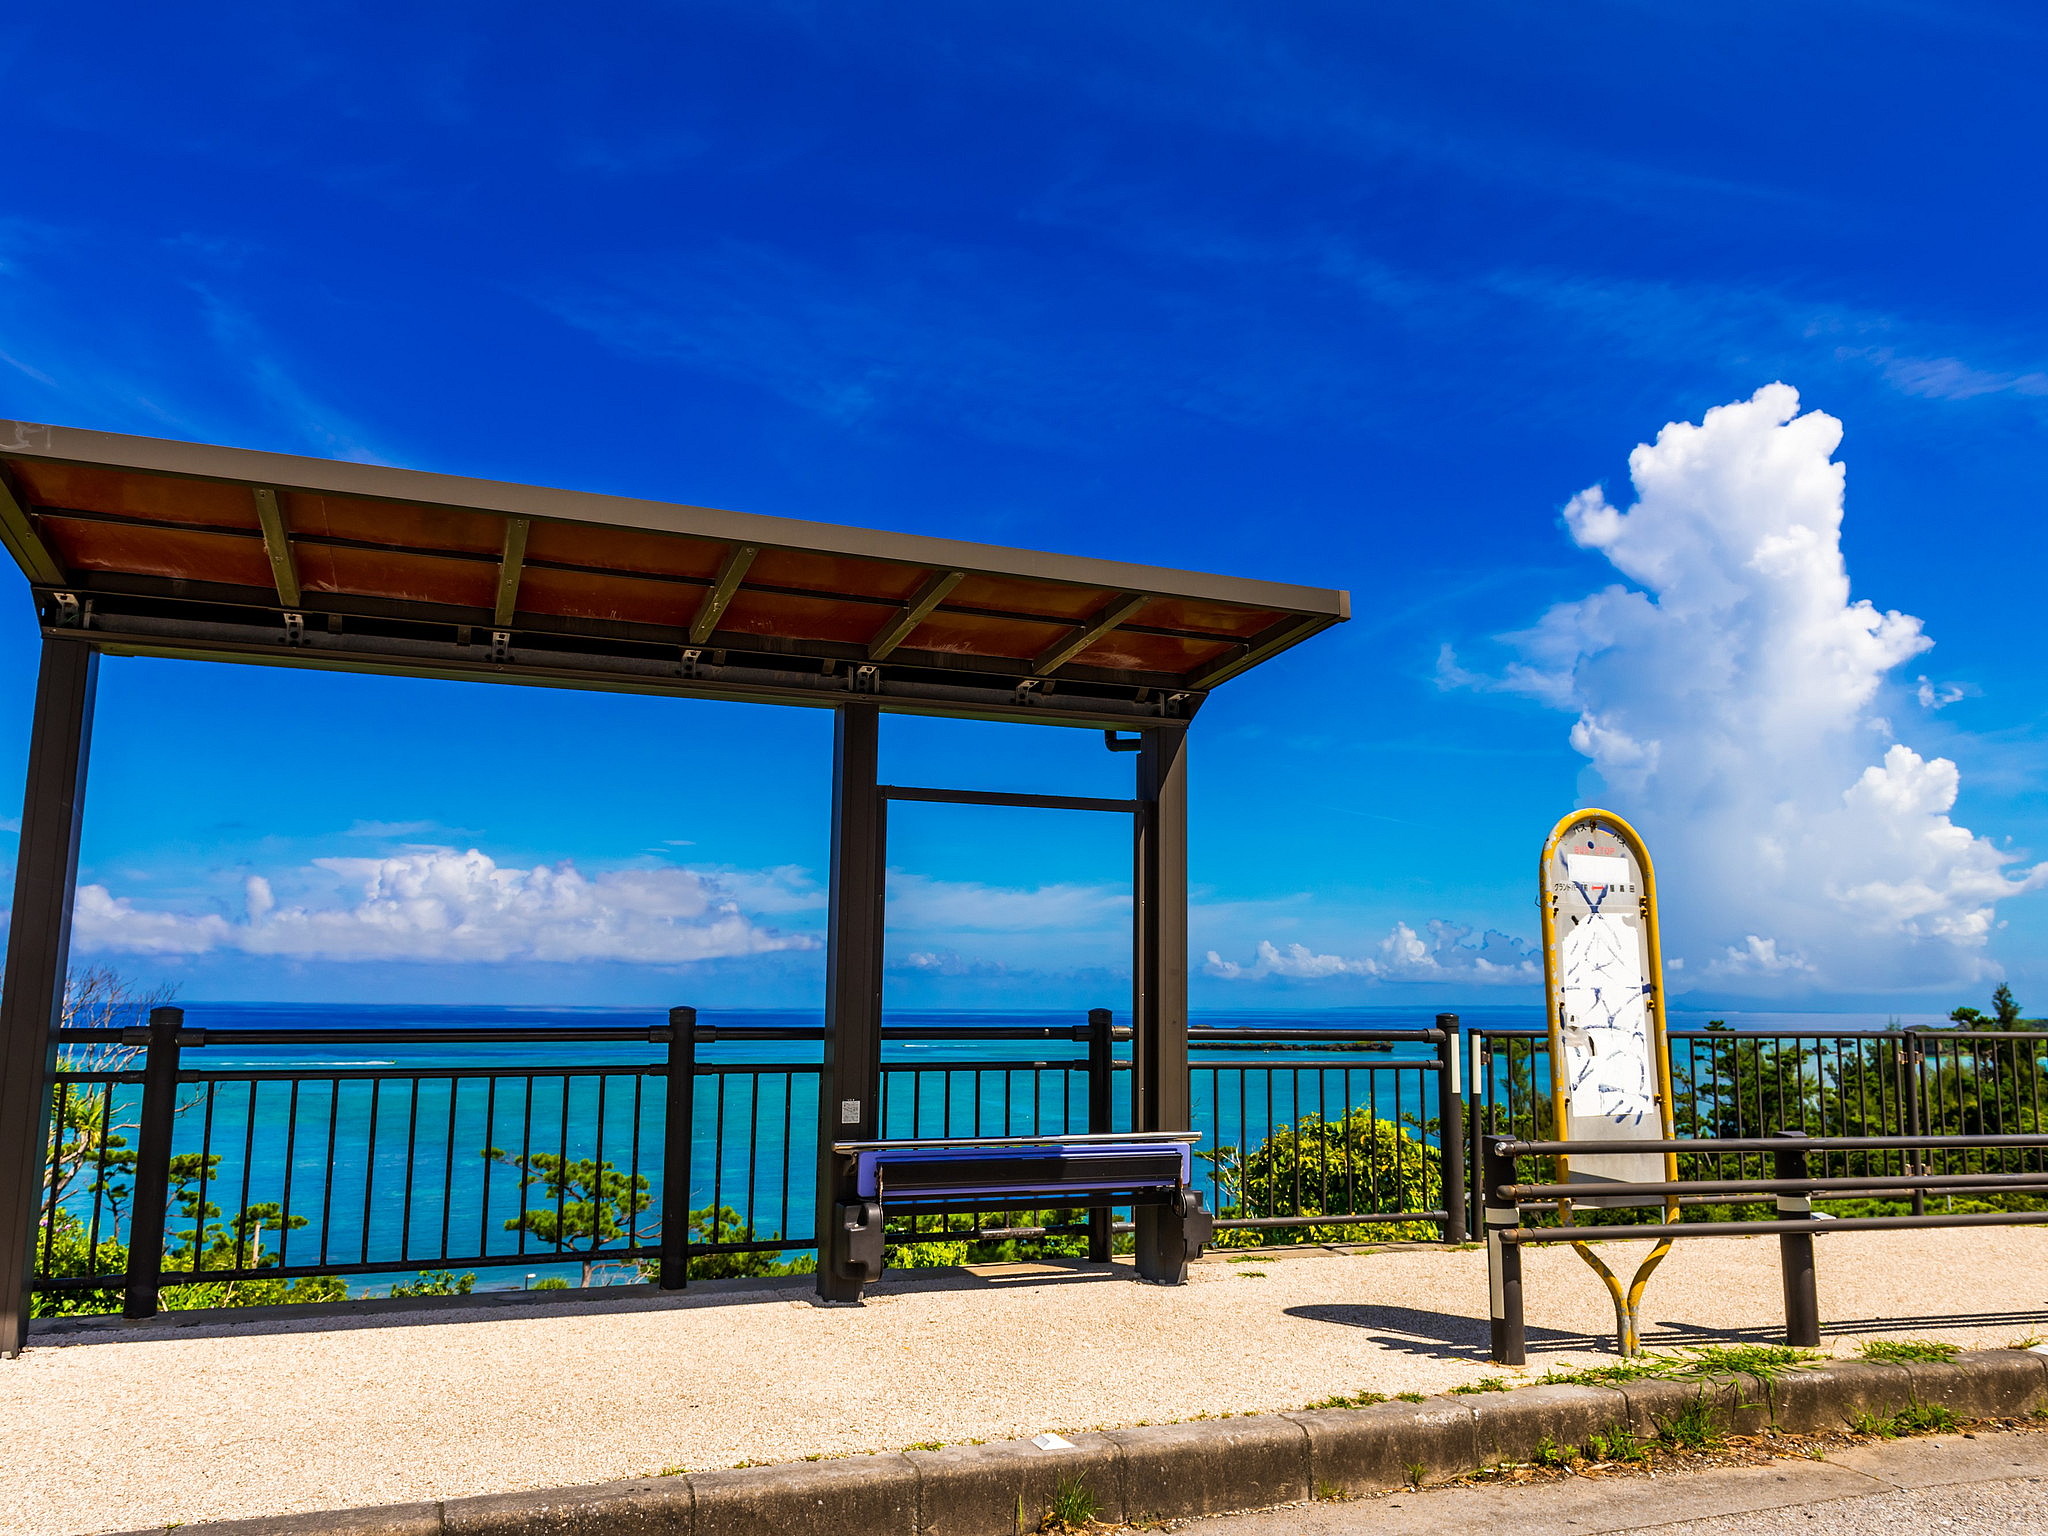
<point x="437" y="1282"/>
<point x="1320" y="1167"/>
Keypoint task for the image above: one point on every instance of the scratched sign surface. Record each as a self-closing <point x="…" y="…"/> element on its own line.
<point x="1600" y="984"/>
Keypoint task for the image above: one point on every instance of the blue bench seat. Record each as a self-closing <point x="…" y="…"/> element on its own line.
<point x="1140" y="1169"/>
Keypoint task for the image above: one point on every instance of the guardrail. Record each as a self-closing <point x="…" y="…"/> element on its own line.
<point x="1791" y="1185"/>
<point x="1740" y="1082"/>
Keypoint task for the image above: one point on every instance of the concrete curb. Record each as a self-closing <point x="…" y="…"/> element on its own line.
<point x="1173" y="1471"/>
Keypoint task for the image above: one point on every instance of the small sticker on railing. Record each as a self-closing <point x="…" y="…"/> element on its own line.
<point x="849" y="1111"/>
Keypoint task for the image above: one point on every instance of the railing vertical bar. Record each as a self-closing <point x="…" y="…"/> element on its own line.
<point x="206" y="1160"/>
<point x="248" y="1172"/>
<point x="412" y="1142"/>
<point x="327" y="1178"/>
<point x="370" y="1168"/>
<point x="448" y="1165"/>
<point x="291" y="1160"/>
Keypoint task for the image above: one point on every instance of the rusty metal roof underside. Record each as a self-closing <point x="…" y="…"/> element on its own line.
<point x="150" y="547"/>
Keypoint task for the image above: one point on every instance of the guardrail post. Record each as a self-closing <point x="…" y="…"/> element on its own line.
<point x="1450" y="1129"/>
<point x="1795" y="1249"/>
<point x="678" y="1128"/>
<point x="1101" y="1118"/>
<point x="153" y="1162"/>
<point x="1503" y="1259"/>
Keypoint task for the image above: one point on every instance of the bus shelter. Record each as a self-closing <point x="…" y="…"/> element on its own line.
<point x="144" y="547"/>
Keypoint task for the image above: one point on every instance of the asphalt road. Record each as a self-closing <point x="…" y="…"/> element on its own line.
<point x="1942" y="1485"/>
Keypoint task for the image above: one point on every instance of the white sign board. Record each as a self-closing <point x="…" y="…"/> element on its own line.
<point x="1601" y="985"/>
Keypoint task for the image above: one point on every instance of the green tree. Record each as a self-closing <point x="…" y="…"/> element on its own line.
<point x="236" y="1243"/>
<point x="586" y="1204"/>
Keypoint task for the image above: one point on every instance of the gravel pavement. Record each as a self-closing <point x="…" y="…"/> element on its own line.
<point x="130" y="1426"/>
<point x="1943" y="1485"/>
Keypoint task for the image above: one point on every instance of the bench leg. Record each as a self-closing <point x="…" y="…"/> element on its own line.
<point x="1170" y="1237"/>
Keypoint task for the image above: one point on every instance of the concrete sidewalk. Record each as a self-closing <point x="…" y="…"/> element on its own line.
<point x="129" y="1426"/>
<point x="1942" y="1485"/>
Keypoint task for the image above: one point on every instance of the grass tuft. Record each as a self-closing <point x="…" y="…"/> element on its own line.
<point x="1766" y="1362"/>
<point x="1915" y="1418"/>
<point x="1417" y="1474"/>
<point x="1618" y="1444"/>
<point x="1483" y="1384"/>
<point x="1410" y="1397"/>
<point x="1355" y="1400"/>
<point x="1904" y="1351"/>
<point x="1074" y="1506"/>
<point x="1692" y="1428"/>
<point x="1549" y="1453"/>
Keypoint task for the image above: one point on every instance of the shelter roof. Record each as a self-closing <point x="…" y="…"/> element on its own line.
<point x="149" y="546"/>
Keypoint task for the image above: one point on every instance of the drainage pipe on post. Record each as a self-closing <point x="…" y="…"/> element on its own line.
<point x="1795" y="1249"/>
<point x="1101" y="1118"/>
<point x="1450" y="1129"/>
<point x="1503" y="1259"/>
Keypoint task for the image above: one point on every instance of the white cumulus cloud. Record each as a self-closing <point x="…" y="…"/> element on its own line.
<point x="1733" y="700"/>
<point x="1447" y="953"/>
<point x="447" y="905"/>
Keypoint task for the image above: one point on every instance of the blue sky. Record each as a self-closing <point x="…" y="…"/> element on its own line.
<point x="1329" y="294"/>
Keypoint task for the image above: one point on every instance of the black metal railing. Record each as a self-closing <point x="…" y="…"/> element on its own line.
<point x="218" y="1167"/>
<point x="1329" y="1138"/>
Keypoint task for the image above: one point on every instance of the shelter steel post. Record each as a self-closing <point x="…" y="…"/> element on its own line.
<point x="1795" y="1249"/>
<point x="1160" y="1092"/>
<point x="153" y="1164"/>
<point x="1503" y="1260"/>
<point x="1101" y="1118"/>
<point x="678" y="1129"/>
<point x="1450" y="1129"/>
<point x="849" y="1083"/>
<point x="38" y="946"/>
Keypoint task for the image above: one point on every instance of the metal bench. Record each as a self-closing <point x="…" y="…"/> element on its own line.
<point x="970" y="1174"/>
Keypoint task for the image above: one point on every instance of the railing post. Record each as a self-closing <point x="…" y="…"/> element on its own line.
<point x="1795" y="1249"/>
<point x="1450" y="1129"/>
<point x="1918" y="1161"/>
<point x="1503" y="1259"/>
<point x="153" y="1164"/>
<point x="678" y="1130"/>
<point x="1101" y="1118"/>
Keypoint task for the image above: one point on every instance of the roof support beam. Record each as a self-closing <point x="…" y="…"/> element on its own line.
<point x="1053" y="657"/>
<point x="277" y="543"/>
<point x="22" y="540"/>
<point x="510" y="564"/>
<point x="914" y="612"/>
<point x="730" y="574"/>
<point x="1257" y="649"/>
